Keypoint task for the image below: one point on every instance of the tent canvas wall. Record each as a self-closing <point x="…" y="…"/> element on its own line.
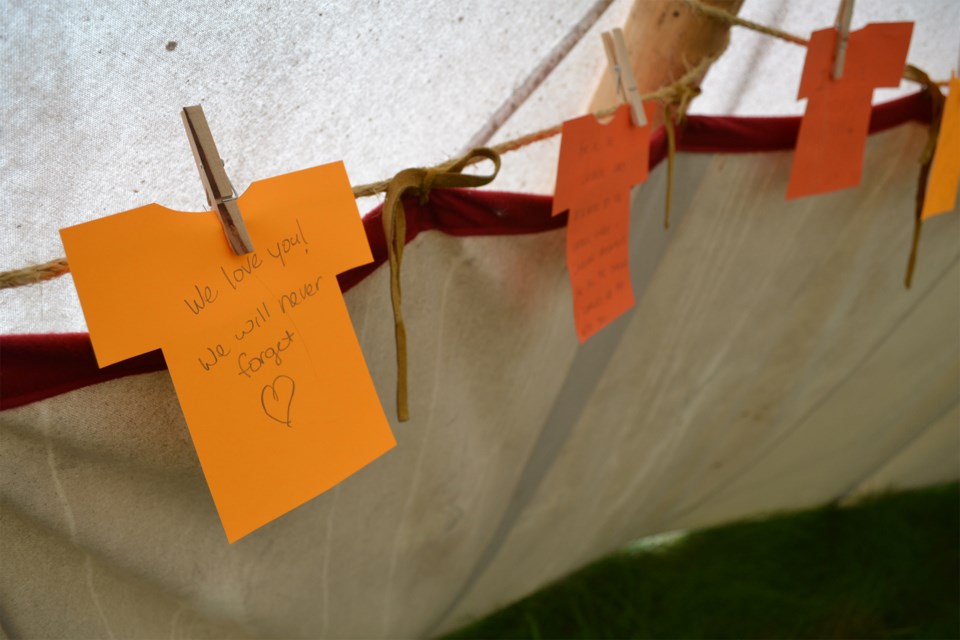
<point x="773" y="359"/>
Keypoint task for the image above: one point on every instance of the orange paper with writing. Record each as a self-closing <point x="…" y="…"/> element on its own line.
<point x="941" y="194"/>
<point x="833" y="132"/>
<point x="599" y="163"/>
<point x="268" y="371"/>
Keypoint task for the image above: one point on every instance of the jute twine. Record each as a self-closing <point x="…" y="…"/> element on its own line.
<point x="679" y="93"/>
<point x="676" y="97"/>
<point x="733" y="20"/>
<point x="419" y="182"/>
<point x="911" y="73"/>
<point x="675" y="106"/>
<point x="34" y="274"/>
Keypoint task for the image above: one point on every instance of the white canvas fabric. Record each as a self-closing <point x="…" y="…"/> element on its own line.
<point x="91" y="95"/>
<point x="773" y="360"/>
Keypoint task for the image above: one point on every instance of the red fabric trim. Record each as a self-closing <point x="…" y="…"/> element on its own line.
<point x="35" y="367"/>
<point x="747" y="135"/>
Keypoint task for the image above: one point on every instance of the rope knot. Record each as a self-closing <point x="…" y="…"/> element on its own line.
<point x="421" y="182"/>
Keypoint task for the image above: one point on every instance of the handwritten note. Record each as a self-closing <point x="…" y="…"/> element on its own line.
<point x="599" y="163"/>
<point x="945" y="171"/>
<point x="260" y="347"/>
<point x="833" y="132"/>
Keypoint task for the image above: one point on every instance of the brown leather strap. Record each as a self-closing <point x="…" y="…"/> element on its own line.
<point x="419" y="182"/>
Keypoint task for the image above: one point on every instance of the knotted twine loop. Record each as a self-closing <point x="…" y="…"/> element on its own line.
<point x="420" y="182"/>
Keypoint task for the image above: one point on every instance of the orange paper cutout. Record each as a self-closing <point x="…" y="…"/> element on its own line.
<point x="268" y="370"/>
<point x="941" y="194"/>
<point x="599" y="163"/>
<point x="833" y="132"/>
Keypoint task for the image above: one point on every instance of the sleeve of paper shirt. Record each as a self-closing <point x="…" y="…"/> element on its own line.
<point x="108" y="259"/>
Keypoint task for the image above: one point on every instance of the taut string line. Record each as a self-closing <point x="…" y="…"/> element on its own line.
<point x="676" y="94"/>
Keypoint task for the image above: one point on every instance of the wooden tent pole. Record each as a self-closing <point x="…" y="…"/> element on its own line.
<point x="665" y="39"/>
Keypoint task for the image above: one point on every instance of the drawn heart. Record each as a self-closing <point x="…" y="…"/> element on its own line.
<point x="277" y="397"/>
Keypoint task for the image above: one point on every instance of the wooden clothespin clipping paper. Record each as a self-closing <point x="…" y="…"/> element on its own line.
<point x="220" y="192"/>
<point x="623" y="76"/>
<point x="599" y="163"/>
<point x="261" y="350"/>
<point x="844" y="16"/>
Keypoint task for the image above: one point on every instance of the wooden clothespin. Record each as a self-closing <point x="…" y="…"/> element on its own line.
<point x="619" y="58"/>
<point x="220" y="192"/>
<point x="844" y="15"/>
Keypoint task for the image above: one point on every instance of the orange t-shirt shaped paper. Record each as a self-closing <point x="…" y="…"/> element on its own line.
<point x="599" y="163"/>
<point x="260" y="347"/>
<point x="945" y="171"/>
<point x="833" y="132"/>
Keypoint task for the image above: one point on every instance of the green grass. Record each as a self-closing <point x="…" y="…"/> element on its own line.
<point x="886" y="568"/>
